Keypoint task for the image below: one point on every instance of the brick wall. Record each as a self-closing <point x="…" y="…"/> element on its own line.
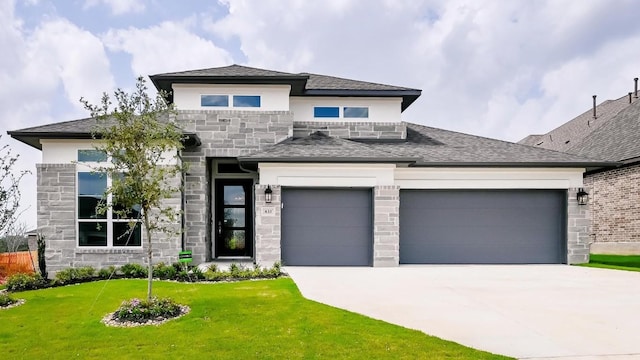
<point x="352" y="130"/>
<point x="615" y="202"/>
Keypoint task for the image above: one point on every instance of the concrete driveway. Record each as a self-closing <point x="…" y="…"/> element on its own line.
<point x="524" y="311"/>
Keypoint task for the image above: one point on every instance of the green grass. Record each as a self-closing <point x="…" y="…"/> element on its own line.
<point x="618" y="262"/>
<point x="266" y="319"/>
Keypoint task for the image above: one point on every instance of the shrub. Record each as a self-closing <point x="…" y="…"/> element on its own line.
<point x="6" y="300"/>
<point x="21" y="282"/>
<point x="164" y="271"/>
<point x="106" y="273"/>
<point x="134" y="270"/>
<point x="42" y="261"/>
<point x="75" y="275"/>
<point x="141" y="311"/>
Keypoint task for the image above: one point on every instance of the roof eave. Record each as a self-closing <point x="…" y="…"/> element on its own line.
<point x="165" y="82"/>
<point x="538" y="164"/>
<point x="327" y="160"/>
<point x="408" y="95"/>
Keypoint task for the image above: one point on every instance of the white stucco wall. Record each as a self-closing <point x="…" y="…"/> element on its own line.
<point x="329" y="175"/>
<point x="59" y="151"/>
<point x="380" y="109"/>
<point x="488" y="178"/>
<point x="272" y="97"/>
<point x="369" y="175"/>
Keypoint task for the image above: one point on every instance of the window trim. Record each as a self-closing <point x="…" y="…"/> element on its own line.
<point x="322" y="112"/>
<point x="110" y="220"/>
<point x="203" y="96"/>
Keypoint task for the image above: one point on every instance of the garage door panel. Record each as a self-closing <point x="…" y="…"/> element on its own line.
<point x="467" y="226"/>
<point x="331" y="227"/>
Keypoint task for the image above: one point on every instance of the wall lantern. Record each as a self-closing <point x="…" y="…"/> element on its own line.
<point x="582" y="197"/>
<point x="268" y="194"/>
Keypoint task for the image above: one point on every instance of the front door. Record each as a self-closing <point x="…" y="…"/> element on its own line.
<point x="233" y="217"/>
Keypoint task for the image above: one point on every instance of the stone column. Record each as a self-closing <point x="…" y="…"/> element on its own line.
<point x="578" y="229"/>
<point x="267" y="248"/>
<point x="386" y="225"/>
<point x="56" y="201"/>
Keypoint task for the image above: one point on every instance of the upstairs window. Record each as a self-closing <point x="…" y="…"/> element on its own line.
<point x="214" y="100"/>
<point x="246" y="101"/>
<point x="91" y="156"/>
<point x="355" y="112"/>
<point x="326" y="112"/>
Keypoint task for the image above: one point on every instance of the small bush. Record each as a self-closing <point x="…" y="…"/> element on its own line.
<point x="141" y="311"/>
<point x="134" y="270"/>
<point x="106" y="273"/>
<point x="21" y="282"/>
<point x="164" y="271"/>
<point x="6" y="300"/>
<point x="75" y="275"/>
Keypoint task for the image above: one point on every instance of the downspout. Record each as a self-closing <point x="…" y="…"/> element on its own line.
<point x="183" y="203"/>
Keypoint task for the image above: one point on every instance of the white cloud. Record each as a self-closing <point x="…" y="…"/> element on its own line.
<point x="55" y="62"/>
<point x="118" y="7"/>
<point x="169" y="46"/>
<point x="498" y="69"/>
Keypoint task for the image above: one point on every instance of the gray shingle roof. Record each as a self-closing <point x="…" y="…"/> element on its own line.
<point x="424" y="146"/>
<point x="228" y="71"/>
<point x="567" y="135"/>
<point x="319" y="147"/>
<point x="74" y="129"/>
<point x="616" y="140"/>
<point x="324" y="82"/>
<point x="303" y="84"/>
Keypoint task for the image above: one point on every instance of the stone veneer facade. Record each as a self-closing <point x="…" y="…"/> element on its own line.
<point x="578" y="229"/>
<point x="352" y="130"/>
<point x="56" y="201"/>
<point x="615" y="200"/>
<point x="229" y="134"/>
<point x="224" y="134"/>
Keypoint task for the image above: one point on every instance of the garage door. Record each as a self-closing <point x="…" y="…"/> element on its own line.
<point x="482" y="227"/>
<point x="326" y="227"/>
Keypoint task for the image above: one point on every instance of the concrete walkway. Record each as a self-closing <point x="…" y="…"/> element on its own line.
<point x="524" y="311"/>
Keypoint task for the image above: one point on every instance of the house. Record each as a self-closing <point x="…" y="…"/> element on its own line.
<point x="611" y="132"/>
<point x="311" y="169"/>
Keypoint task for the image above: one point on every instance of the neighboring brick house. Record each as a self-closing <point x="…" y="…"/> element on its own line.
<point x="317" y="170"/>
<point x="609" y="132"/>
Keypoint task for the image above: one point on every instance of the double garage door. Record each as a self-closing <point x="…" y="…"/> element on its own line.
<point x="333" y="227"/>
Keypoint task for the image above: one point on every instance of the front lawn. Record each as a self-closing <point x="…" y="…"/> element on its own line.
<point x="619" y="262"/>
<point x="266" y="319"/>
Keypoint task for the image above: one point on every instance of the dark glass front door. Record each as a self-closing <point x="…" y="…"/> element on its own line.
<point x="234" y="215"/>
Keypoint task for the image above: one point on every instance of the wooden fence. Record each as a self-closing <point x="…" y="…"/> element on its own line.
<point x="17" y="262"/>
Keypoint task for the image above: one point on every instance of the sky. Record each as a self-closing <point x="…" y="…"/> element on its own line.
<point x="500" y="69"/>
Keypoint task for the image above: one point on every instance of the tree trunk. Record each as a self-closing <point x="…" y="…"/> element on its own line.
<point x="149" y="253"/>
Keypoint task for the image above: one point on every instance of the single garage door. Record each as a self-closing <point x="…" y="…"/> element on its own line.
<point x="482" y="226"/>
<point x="326" y="227"/>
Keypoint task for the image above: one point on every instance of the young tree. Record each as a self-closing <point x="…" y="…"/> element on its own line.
<point x="9" y="188"/>
<point x="142" y="143"/>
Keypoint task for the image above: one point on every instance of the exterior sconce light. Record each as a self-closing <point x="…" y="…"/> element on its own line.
<point x="268" y="194"/>
<point x="582" y="197"/>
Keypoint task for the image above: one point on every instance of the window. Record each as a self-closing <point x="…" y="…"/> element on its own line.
<point x="214" y="100"/>
<point x="355" y="112"/>
<point x="326" y="112"/>
<point x="91" y="156"/>
<point x="246" y="101"/>
<point x="102" y="230"/>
